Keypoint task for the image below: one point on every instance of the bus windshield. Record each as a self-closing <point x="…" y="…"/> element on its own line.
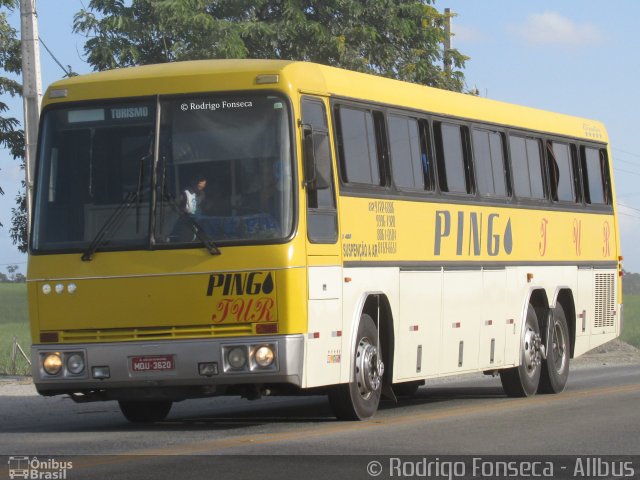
<point x="220" y="169"/>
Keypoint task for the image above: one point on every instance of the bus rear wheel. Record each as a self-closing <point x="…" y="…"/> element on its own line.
<point x="359" y="399"/>
<point x="555" y="369"/>
<point x="145" y="411"/>
<point x="523" y="380"/>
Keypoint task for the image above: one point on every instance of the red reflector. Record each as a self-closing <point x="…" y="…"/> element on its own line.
<point x="489" y="322"/>
<point x="456" y="325"/>
<point x="414" y="328"/>
<point x="49" y="337"/>
<point x="267" y="328"/>
<point x="510" y="321"/>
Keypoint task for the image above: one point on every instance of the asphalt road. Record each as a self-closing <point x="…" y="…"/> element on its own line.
<point x="598" y="414"/>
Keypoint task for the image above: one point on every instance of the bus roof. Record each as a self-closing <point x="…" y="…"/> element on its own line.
<point x="235" y="75"/>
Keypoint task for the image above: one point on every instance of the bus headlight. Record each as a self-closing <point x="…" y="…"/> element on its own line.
<point x="237" y="358"/>
<point x="75" y="363"/>
<point x="52" y="363"/>
<point x="264" y="356"/>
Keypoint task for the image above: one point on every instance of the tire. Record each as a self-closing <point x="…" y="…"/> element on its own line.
<point x="523" y="380"/>
<point x="146" y="411"/>
<point x="555" y="369"/>
<point x="359" y="399"/>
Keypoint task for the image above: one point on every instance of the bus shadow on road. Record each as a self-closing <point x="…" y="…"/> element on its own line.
<point x="442" y="395"/>
<point x="316" y="409"/>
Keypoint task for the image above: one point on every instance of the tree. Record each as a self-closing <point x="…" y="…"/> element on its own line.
<point x="12" y="269"/>
<point x="394" y="38"/>
<point x="11" y="135"/>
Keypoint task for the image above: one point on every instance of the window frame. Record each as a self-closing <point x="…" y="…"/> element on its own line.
<point x="506" y="161"/>
<point x="321" y="211"/>
<point x="605" y="177"/>
<point x="440" y="157"/>
<point x="528" y="135"/>
<point x="379" y="137"/>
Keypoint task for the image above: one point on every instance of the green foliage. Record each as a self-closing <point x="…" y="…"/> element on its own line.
<point x="631" y="283"/>
<point x="11" y="135"/>
<point x="394" y="38"/>
<point x="13" y="323"/>
<point x="13" y="303"/>
<point x="631" y="328"/>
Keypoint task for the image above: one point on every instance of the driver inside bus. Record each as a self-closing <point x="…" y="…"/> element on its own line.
<point x="192" y="198"/>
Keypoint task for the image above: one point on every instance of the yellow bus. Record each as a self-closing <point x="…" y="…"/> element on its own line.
<point x="253" y="227"/>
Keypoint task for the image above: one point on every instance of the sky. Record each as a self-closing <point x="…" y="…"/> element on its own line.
<point x="577" y="57"/>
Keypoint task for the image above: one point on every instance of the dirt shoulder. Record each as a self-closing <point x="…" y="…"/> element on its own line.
<point x="615" y="352"/>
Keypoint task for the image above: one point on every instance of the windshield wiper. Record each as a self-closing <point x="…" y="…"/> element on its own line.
<point x="197" y="229"/>
<point x="106" y="229"/>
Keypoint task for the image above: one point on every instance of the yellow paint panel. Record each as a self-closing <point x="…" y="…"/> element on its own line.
<point x="388" y="230"/>
<point x="128" y="291"/>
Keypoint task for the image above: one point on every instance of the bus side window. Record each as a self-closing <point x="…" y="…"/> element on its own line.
<point x="426" y="157"/>
<point x="595" y="171"/>
<point x="526" y="165"/>
<point x="490" y="165"/>
<point x="358" y="146"/>
<point x="453" y="159"/>
<point x="406" y="153"/>
<point x="562" y="175"/>
<point x="322" y="220"/>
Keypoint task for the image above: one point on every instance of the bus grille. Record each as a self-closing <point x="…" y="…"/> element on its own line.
<point x="154" y="333"/>
<point x="605" y="300"/>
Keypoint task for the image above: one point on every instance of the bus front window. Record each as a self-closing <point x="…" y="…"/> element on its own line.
<point x="94" y="166"/>
<point x="221" y="170"/>
<point x="225" y="162"/>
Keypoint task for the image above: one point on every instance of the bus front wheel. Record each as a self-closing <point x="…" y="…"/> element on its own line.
<point x="359" y="399"/>
<point x="523" y="380"/>
<point x="145" y="411"/>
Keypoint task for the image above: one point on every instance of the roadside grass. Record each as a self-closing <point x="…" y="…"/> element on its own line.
<point x="13" y="323"/>
<point x="631" y="328"/>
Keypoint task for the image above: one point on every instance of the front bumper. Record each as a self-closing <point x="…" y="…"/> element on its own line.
<point x="187" y="357"/>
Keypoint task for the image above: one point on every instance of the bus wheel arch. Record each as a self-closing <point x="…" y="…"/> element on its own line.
<point x="523" y="380"/>
<point x="377" y="306"/>
<point x="359" y="399"/>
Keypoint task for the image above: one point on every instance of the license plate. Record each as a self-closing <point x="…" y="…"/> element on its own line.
<point x="158" y="363"/>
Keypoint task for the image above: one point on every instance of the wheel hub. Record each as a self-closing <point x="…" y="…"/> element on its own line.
<point x="532" y="353"/>
<point x="369" y="368"/>
<point x="559" y="347"/>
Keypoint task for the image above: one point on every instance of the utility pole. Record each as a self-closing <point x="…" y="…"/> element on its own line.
<point x="447" y="41"/>
<point x="31" y="92"/>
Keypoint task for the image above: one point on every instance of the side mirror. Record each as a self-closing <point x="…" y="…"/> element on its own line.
<point x="317" y="160"/>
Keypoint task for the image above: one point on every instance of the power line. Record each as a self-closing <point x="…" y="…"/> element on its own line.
<point x="627" y="206"/>
<point x="629" y="215"/>
<point x="629" y="162"/>
<point x="69" y="73"/>
<point x="624" y="151"/>
<point x="626" y="171"/>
